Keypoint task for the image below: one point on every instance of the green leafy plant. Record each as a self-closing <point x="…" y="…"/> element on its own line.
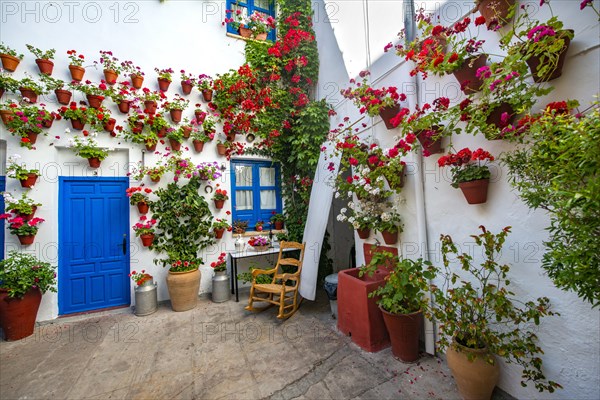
<point x="52" y="83"/>
<point x="19" y="227"/>
<point x="177" y="103"/>
<point x="16" y="171"/>
<point x="277" y="218"/>
<point x="76" y="59"/>
<point x="24" y="205"/>
<point x="109" y="62"/>
<point x="41" y="54"/>
<point x="466" y="165"/>
<point x="475" y="306"/>
<point x="11" y="52"/>
<point x="220" y="223"/>
<point x="239" y="226"/>
<point x="138" y="194"/>
<point x="165" y="73"/>
<point x="220" y="264"/>
<point x="87" y="147"/>
<point x="21" y="272"/>
<point x="389" y="221"/>
<point x="35" y="86"/>
<point x="8" y="83"/>
<point x="205" y="82"/>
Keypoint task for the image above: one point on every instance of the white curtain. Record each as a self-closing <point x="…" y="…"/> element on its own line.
<point x="243" y="200"/>
<point x="267" y="200"/>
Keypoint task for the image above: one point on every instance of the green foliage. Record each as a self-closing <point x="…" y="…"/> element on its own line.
<point x="246" y="277"/>
<point x="558" y="172"/>
<point x="478" y="309"/>
<point x="468" y="173"/>
<point x="20" y="272"/>
<point x="184" y="222"/>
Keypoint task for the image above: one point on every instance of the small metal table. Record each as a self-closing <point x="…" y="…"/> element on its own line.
<point x="247" y="253"/>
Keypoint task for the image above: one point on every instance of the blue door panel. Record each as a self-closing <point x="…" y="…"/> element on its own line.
<point x="94" y="221"/>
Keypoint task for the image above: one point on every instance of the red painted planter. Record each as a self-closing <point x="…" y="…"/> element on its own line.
<point x="219" y="204"/>
<point x="17" y="315"/>
<point x="404" y="331"/>
<point x="32" y="136"/>
<point x="207" y="95"/>
<point x="63" y="96"/>
<point x="147" y="239"/>
<point x="94" y="162"/>
<point x="175" y="145"/>
<point x="363" y="233"/>
<point x="110" y="125"/>
<point x="390" y="237"/>
<point x="219" y="233"/>
<point x="198" y="145"/>
<point x="163" y="84"/>
<point x="176" y="115"/>
<point x="534" y="63"/>
<point x="200" y="116"/>
<point x="151" y="147"/>
<point x="77" y="124"/>
<point x="387" y="113"/>
<point x="29" y="181"/>
<point x="150" y="106"/>
<point x="124" y="106"/>
<point x="26" y="240"/>
<point x="278" y="225"/>
<point x="186" y="88"/>
<point x="475" y="191"/>
<point x="187" y="131"/>
<point x="468" y="73"/>
<point x="143" y="207"/>
<point x="28" y="217"/>
<point x="430" y="146"/>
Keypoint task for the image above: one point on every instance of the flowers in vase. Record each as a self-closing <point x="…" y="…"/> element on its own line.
<point x="220" y="264"/>
<point x="258" y="241"/>
<point x="140" y="277"/>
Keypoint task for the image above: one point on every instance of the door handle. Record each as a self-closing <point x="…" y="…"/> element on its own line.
<point x="124" y="244"/>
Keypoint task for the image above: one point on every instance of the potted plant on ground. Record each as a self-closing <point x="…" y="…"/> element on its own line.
<point x="205" y="85"/>
<point x="144" y="229"/>
<point x="138" y="196"/>
<point x="10" y="58"/>
<point x="220" y="197"/>
<point x="43" y="59"/>
<point x="24" y="207"/>
<point x="176" y="107"/>
<point x="89" y="149"/>
<point x="479" y="319"/>
<point x="76" y="66"/>
<point x="110" y="64"/>
<point x="468" y="173"/>
<point x="219" y="227"/>
<point x="277" y="220"/>
<point x="24" y="230"/>
<point x="402" y="300"/>
<point x="187" y="82"/>
<point x="26" y="176"/>
<point x="23" y="280"/>
<point x="389" y="223"/>
<point x="165" y="78"/>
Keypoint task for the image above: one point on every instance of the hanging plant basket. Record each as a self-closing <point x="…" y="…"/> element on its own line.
<point x="219" y="204"/>
<point x="176" y="115"/>
<point x="26" y="240"/>
<point x="63" y="96"/>
<point x="95" y="101"/>
<point x="431" y="146"/>
<point x="28" y="217"/>
<point x="9" y="62"/>
<point x="175" y="145"/>
<point x="207" y="95"/>
<point x="78" y="125"/>
<point x="151" y="146"/>
<point x="47" y="123"/>
<point x="363" y="233"/>
<point x="387" y="113"/>
<point x="535" y="62"/>
<point x="147" y="239"/>
<point x="124" y="106"/>
<point x="110" y="125"/>
<point x="45" y="66"/>
<point x="467" y="72"/>
<point x="495" y="12"/>
<point x="495" y="117"/>
<point x="221" y="149"/>
<point x="77" y="72"/>
<point x="163" y="84"/>
<point x="94" y="162"/>
<point x="475" y="191"/>
<point x="186" y="88"/>
<point x="137" y="81"/>
<point x="198" y="145"/>
<point x="143" y="207"/>
<point x="110" y="76"/>
<point x="32" y="136"/>
<point x="30" y="94"/>
<point x="29" y="181"/>
<point x="162" y="133"/>
<point x="200" y="117"/>
<point x="219" y="233"/>
<point x="150" y="106"/>
<point x="389" y="237"/>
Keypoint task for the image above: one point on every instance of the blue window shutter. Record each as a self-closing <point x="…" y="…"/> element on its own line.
<point x="249" y="5"/>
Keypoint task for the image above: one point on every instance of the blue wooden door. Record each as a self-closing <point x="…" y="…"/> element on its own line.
<point x="2" y="188"/>
<point x="93" y="244"/>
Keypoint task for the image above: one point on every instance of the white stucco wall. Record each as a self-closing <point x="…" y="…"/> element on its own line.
<point x="179" y="34"/>
<point x="570" y="341"/>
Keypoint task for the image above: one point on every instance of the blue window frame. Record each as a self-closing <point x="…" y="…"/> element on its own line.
<point x="255" y="191"/>
<point x="266" y="7"/>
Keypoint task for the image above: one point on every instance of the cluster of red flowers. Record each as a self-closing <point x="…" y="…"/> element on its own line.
<point x="463" y="157"/>
<point x="220" y="264"/>
<point x="140" y="277"/>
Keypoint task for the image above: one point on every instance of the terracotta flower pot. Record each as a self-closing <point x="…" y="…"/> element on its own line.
<point x="29" y="181"/>
<point x="143" y="207"/>
<point x="221" y="149"/>
<point x="278" y="225"/>
<point x="198" y="145"/>
<point x="137" y="81"/>
<point x="30" y="94"/>
<point x="183" y="289"/>
<point x="9" y="62"/>
<point x="155" y="180"/>
<point x="495" y="12"/>
<point x="47" y="123"/>
<point x="78" y="125"/>
<point x="147" y="239"/>
<point x="475" y="191"/>
<point x="219" y="233"/>
<point x="77" y="72"/>
<point x="45" y="66"/>
<point x="207" y="95"/>
<point x="26" y="240"/>
<point x="7" y="116"/>
<point x="151" y="146"/>
<point x="364" y="233"/>
<point x="404" y="330"/>
<point x="187" y="131"/>
<point x="124" y="106"/>
<point x="163" y="84"/>
<point x="387" y="113"/>
<point x="150" y="106"/>
<point x="186" y="87"/>
<point x="475" y="379"/>
<point x="110" y="125"/>
<point x="219" y="204"/>
<point x="110" y="76"/>
<point x="495" y="117"/>
<point x="176" y="115"/>
<point x="162" y="133"/>
<point x="245" y="32"/>
<point x="17" y="315"/>
<point x="200" y="116"/>
<point x="175" y="145"/>
<point x="28" y="217"/>
<point x="390" y="237"/>
<point x="466" y="74"/>
<point x="95" y="101"/>
<point x="430" y="146"/>
<point x="32" y="136"/>
<point x="63" y="96"/>
<point x="534" y="62"/>
<point x="94" y="162"/>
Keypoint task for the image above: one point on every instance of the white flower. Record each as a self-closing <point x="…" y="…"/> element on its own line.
<point x="386" y="217"/>
<point x="341" y="217"/>
<point x="337" y="194"/>
<point x="356" y="225"/>
<point x="343" y="210"/>
<point x="352" y="220"/>
<point x="67" y="130"/>
<point x="349" y="194"/>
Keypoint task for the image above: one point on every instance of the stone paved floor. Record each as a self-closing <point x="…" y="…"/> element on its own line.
<point x="216" y="351"/>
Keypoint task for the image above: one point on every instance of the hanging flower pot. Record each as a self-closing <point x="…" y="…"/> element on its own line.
<point x="163" y="84"/>
<point x="110" y="125"/>
<point x="245" y="32"/>
<point x="219" y="204"/>
<point x="207" y="94"/>
<point x="150" y="106"/>
<point x="124" y="106"/>
<point x="221" y="149"/>
<point x="94" y="162"/>
<point x="162" y="133"/>
<point x="495" y="12"/>
<point x="176" y="115"/>
<point x="18" y="314"/>
<point x="45" y="66"/>
<point x="466" y="74"/>
<point x="389" y="237"/>
<point x="30" y="94"/>
<point x="77" y="72"/>
<point x="28" y="217"/>
<point x="9" y="62"/>
<point x="47" y="123"/>
<point x="175" y="145"/>
<point x="219" y="233"/>
<point x="387" y="113"/>
<point x="474" y="376"/>
<point x="200" y="116"/>
<point x="430" y="143"/>
<point x="63" y="96"/>
<point x="496" y="116"/>
<point x="404" y="330"/>
<point x="29" y="181"/>
<point x="143" y="207"/>
<point x="137" y="81"/>
<point x="147" y="239"/>
<point x="6" y="115"/>
<point x="95" y="101"/>
<point x="534" y="62"/>
<point x="475" y="191"/>
<point x="278" y="225"/>
<point x="187" y="131"/>
<point x="198" y="145"/>
<point x="364" y="233"/>
<point x="110" y="76"/>
<point x="26" y="240"/>
<point x="151" y="146"/>
<point x="155" y="180"/>
<point x="77" y="124"/>
<point x="186" y="87"/>
<point x="32" y="136"/>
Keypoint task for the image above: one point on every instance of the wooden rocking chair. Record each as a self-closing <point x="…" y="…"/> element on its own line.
<point x="277" y="292"/>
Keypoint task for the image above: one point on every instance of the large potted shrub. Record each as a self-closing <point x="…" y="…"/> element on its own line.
<point x="23" y="280"/>
<point x="479" y="318"/>
<point x="402" y="301"/>
<point x="183" y="228"/>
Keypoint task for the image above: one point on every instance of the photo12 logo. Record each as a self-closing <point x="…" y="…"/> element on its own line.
<point x="69" y="11"/>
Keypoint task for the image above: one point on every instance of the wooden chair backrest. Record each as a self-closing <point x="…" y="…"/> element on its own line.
<point x="290" y="261"/>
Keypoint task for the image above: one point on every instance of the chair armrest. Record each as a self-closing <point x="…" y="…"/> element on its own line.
<point x="256" y="272"/>
<point x="286" y="277"/>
